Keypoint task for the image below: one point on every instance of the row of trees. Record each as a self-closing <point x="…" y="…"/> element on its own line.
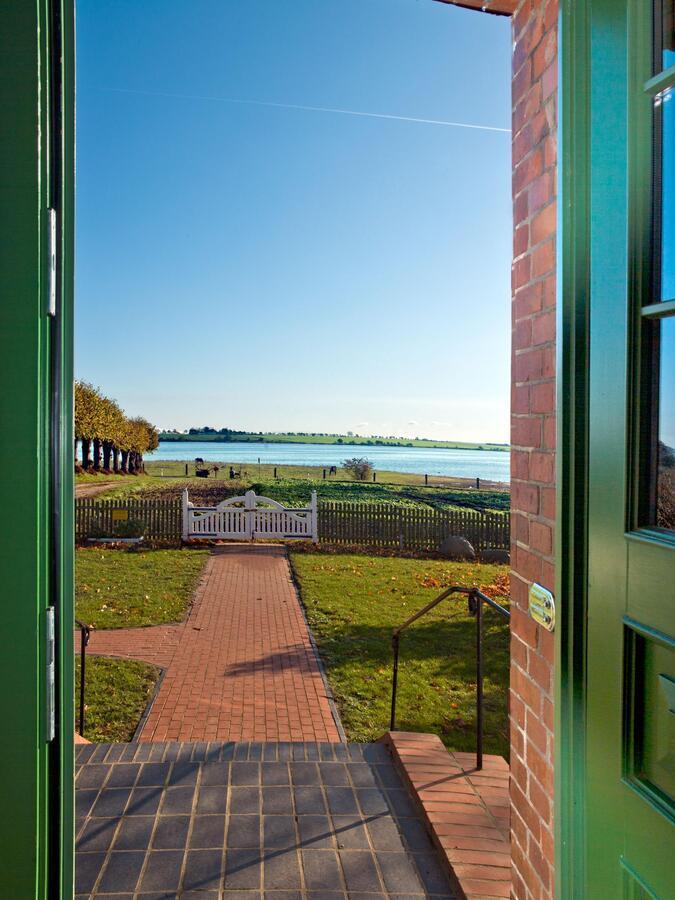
<point x="109" y="440"/>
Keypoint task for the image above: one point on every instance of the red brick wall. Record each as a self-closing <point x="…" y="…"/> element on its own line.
<point x="533" y="439"/>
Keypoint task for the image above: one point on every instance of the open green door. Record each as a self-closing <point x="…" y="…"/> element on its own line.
<point x="36" y="277"/>
<point x="617" y="550"/>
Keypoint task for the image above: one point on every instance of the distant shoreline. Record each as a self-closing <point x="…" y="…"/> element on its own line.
<point x="339" y="440"/>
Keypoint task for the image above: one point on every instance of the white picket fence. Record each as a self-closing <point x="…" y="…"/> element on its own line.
<point x="250" y="517"/>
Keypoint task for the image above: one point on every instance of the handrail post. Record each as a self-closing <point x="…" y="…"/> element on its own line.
<point x="84" y="640"/>
<point x="395" y="640"/>
<point x="479" y="681"/>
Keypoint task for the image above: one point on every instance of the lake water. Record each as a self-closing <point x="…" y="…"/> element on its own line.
<point x="491" y="465"/>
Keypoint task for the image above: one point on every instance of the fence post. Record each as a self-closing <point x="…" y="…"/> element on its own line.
<point x="315" y="519"/>
<point x="186" y="515"/>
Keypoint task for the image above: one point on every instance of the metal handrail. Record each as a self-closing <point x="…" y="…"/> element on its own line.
<point x="476" y="599"/>
<point x="85" y="632"/>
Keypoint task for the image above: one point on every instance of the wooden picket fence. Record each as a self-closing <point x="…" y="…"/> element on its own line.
<point x="409" y="528"/>
<point x="162" y="518"/>
<point x="364" y="524"/>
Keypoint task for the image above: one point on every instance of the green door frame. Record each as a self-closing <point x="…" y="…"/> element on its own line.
<point x="36" y="533"/>
<point x="606" y="180"/>
<point x="572" y="404"/>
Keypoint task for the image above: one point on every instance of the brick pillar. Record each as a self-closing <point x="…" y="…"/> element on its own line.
<point x="533" y="440"/>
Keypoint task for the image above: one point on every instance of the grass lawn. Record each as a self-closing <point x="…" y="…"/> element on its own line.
<point x="354" y="602"/>
<point x="116" y="694"/>
<point x="130" y="588"/>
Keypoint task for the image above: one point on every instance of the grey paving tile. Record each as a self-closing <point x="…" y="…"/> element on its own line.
<point x="123" y="774"/>
<point x="142" y="752"/>
<point x="341" y="752"/>
<point x="199" y="751"/>
<point x="207" y="832"/>
<point x="134" y="833"/>
<point x="245" y="800"/>
<point x="212" y="799"/>
<point x="153" y="773"/>
<point x="355" y="751"/>
<point x="279" y="831"/>
<point x="309" y="800"/>
<point x="384" y="833"/>
<point x="312" y="751"/>
<point x="322" y="870"/>
<point x="341" y="801"/>
<point x="162" y="870"/>
<point x="327" y="895"/>
<point x="362" y="775"/>
<point x="111" y="802"/>
<point x="121" y="872"/>
<point x="305" y="773"/>
<point x="278" y="895"/>
<point x="277" y="800"/>
<point x="376" y="753"/>
<point x="255" y="750"/>
<point x="358" y="895"/>
<point x="274" y="773"/>
<point x="284" y="750"/>
<point x="415" y="836"/>
<point x="326" y="751"/>
<point x="86" y="871"/>
<point x="399" y="873"/>
<point x="359" y="870"/>
<point x="215" y="773"/>
<point x="333" y="773"/>
<point x="171" y="832"/>
<point x="241" y="750"/>
<point x="282" y="870"/>
<point x="144" y="801"/>
<point x="202" y="870"/>
<point x="245" y="773"/>
<point x="243" y="869"/>
<point x="243" y="831"/>
<point x="371" y="801"/>
<point x="97" y="834"/>
<point x="388" y="776"/>
<point x="177" y="800"/>
<point x="432" y="873"/>
<point x="350" y="833"/>
<point x="92" y="776"/>
<point x="316" y="832"/>
<point x="84" y="800"/>
<point x="270" y="751"/>
<point x="401" y="804"/>
<point x="227" y="750"/>
<point x="183" y="773"/>
<point x="210" y="895"/>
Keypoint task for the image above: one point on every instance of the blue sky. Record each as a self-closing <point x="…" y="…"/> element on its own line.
<point x="272" y="268"/>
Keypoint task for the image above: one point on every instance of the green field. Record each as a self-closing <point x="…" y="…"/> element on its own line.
<point x="130" y="588"/>
<point x="342" y="439"/>
<point x="354" y="602"/>
<point x="294" y="484"/>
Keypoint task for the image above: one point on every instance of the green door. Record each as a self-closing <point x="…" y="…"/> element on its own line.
<point x="630" y="652"/>
<point x="36" y="677"/>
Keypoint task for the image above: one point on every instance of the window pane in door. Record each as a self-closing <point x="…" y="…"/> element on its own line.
<point x="667" y="33"/>
<point x="664" y="201"/>
<point x="664" y="420"/>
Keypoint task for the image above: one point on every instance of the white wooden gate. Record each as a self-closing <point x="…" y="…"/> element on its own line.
<point x="250" y="517"/>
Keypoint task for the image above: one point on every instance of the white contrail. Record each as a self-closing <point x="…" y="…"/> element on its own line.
<point x="324" y="109"/>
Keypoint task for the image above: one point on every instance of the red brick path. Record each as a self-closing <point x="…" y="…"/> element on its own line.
<point x="242" y="666"/>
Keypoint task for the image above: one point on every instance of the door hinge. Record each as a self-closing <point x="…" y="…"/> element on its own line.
<point x="50" y="687"/>
<point x="51" y="300"/>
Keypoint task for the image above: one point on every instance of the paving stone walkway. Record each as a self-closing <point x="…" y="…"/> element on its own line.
<point x="242" y="667"/>
<point x="247" y="821"/>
